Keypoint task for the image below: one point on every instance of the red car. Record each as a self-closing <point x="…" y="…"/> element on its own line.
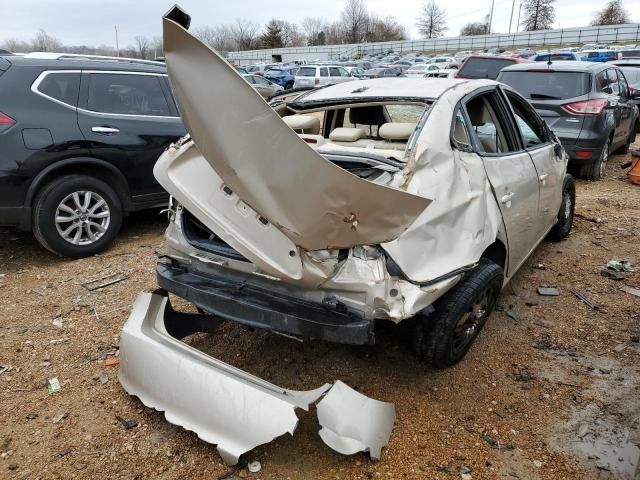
<point x="486" y="66"/>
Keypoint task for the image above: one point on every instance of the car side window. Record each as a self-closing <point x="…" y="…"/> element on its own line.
<point x="602" y="82"/>
<point x="614" y="85"/>
<point x="127" y="94"/>
<point x="488" y="128"/>
<point x="334" y="72"/>
<point x="343" y="72"/>
<point x="62" y="86"/>
<point x="532" y="131"/>
<point x="262" y="81"/>
<point x="250" y="79"/>
<point x="324" y="72"/>
<point x="460" y="132"/>
<point x="624" y="86"/>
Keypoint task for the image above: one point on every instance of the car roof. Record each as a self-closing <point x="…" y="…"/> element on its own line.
<point x="561" y="65"/>
<point x="63" y="62"/>
<point x="387" y="88"/>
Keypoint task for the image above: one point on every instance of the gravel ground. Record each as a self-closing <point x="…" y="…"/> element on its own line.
<point x="551" y="382"/>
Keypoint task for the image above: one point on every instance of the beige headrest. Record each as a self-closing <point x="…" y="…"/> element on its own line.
<point x="303" y="123"/>
<point x="342" y="134"/>
<point x="396" y="130"/>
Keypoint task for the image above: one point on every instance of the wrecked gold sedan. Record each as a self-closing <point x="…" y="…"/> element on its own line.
<point x="388" y="199"/>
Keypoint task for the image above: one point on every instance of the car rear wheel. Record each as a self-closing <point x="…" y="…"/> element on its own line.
<point x="565" y="215"/>
<point x="446" y="335"/>
<point x="597" y="169"/>
<point x="76" y="216"/>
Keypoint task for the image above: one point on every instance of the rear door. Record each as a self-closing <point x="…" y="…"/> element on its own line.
<point x="511" y="172"/>
<point x="538" y="142"/>
<point x="627" y="106"/>
<point x="129" y="118"/>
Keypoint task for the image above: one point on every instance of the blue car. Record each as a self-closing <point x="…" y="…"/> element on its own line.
<point x="599" y="56"/>
<point x="555" y="56"/>
<point x="283" y="76"/>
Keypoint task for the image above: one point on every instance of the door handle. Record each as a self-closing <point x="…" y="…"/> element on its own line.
<point x="105" y="130"/>
<point x="543" y="178"/>
<point x="506" y="198"/>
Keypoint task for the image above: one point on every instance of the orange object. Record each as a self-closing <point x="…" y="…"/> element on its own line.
<point x="634" y="173"/>
<point x="112" y="361"/>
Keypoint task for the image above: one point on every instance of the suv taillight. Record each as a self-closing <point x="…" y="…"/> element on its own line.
<point x="587" y="107"/>
<point x="317" y="81"/>
<point x="6" y="122"/>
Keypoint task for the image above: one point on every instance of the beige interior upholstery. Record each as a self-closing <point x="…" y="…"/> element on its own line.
<point x="345" y="134"/>
<point x="303" y="123"/>
<point x="460" y="132"/>
<point x="480" y="115"/>
<point x="396" y="131"/>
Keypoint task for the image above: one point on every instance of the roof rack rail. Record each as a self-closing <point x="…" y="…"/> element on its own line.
<point x="80" y="56"/>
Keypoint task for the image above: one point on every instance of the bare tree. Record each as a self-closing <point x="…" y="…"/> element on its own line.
<point x="156" y="47"/>
<point x="16" y="46"/>
<point x="385" y="30"/>
<point x="476" y="28"/>
<point x="142" y="46"/>
<point x="218" y="37"/>
<point x="355" y="19"/>
<point x="43" y="42"/>
<point x="432" y="20"/>
<point x="538" y="14"/>
<point x="334" y="33"/>
<point x="245" y="34"/>
<point x="291" y="35"/>
<point x="613" y="13"/>
<point x="312" y="28"/>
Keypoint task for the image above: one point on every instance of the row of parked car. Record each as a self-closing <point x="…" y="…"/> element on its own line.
<point x="80" y="135"/>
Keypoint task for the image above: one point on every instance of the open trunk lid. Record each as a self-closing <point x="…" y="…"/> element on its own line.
<point x="311" y="201"/>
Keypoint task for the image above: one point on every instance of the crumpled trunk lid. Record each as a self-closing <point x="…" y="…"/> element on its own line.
<point x="311" y="201"/>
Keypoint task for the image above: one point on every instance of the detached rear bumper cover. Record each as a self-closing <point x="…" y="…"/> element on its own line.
<point x="227" y="406"/>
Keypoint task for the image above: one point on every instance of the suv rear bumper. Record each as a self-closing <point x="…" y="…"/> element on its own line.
<point x="572" y="147"/>
<point x="253" y="305"/>
<point x="16" y="217"/>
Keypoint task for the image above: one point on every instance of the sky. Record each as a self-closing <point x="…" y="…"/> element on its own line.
<point x="92" y="22"/>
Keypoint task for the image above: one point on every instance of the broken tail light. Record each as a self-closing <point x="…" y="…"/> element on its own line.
<point x="317" y="81"/>
<point x="583" y="154"/>
<point x="587" y="107"/>
<point x="6" y="122"/>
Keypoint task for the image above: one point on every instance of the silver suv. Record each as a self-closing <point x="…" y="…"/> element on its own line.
<point x="318" y="75"/>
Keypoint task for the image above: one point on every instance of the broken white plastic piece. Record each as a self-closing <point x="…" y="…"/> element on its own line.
<point x="231" y="408"/>
<point x="352" y="422"/>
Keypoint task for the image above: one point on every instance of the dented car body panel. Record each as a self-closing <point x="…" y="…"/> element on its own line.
<point x="278" y="193"/>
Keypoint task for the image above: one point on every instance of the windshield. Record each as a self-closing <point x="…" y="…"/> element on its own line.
<point x="547" y="85"/>
<point x="480" y="67"/>
<point x="417" y="68"/>
<point x="554" y="56"/>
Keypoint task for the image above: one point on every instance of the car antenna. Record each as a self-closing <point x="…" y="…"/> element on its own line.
<point x="549" y="62"/>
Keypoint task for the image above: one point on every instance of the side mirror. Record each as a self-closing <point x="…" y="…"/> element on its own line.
<point x="557" y="149"/>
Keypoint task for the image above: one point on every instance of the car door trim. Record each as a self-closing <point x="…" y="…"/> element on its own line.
<point x="39" y="79"/>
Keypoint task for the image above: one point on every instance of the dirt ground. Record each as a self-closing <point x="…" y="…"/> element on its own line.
<point x="551" y="390"/>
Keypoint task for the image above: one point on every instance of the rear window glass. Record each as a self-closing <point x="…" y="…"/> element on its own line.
<point x="483" y="67"/>
<point x="632" y="75"/>
<point x="630" y="53"/>
<point x="306" y="72"/>
<point x="127" y="94"/>
<point x="61" y="86"/>
<point x="547" y="85"/>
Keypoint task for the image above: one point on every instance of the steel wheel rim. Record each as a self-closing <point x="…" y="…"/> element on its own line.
<point x="603" y="159"/>
<point x="567" y="206"/>
<point x="470" y="323"/>
<point x="82" y="217"/>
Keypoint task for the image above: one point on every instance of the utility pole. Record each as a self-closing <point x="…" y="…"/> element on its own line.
<point x="513" y="6"/>
<point x="518" y="24"/>
<point x="117" y="47"/>
<point x="491" y="16"/>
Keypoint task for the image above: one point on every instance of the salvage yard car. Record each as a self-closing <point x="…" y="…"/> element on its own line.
<point x="398" y="199"/>
<point x="79" y="136"/>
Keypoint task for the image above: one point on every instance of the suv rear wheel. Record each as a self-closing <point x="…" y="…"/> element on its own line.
<point x="597" y="169"/>
<point x="76" y="216"/>
<point x="445" y="336"/>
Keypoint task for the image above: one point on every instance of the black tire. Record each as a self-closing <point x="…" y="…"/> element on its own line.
<point x="288" y="86"/>
<point x="564" y="221"/>
<point x="596" y="170"/>
<point x="441" y="337"/>
<point x="47" y="206"/>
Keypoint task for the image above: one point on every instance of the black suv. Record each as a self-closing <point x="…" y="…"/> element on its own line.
<point x="79" y="137"/>
<point x="589" y="107"/>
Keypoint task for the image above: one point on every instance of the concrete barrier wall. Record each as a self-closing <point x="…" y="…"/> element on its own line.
<point x="627" y="33"/>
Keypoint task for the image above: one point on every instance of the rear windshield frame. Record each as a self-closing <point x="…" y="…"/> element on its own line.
<point x="473" y="61"/>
